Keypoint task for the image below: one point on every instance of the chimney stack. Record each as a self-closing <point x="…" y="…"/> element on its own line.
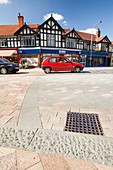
<point x="98" y="33"/>
<point x="20" y="20"/>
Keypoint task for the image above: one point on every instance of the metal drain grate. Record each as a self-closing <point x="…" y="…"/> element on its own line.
<point x="83" y="123"/>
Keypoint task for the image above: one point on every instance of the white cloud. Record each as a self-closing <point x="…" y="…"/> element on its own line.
<point x="90" y="30"/>
<point x="4" y="1"/>
<point x="65" y="23"/>
<point x="57" y="17"/>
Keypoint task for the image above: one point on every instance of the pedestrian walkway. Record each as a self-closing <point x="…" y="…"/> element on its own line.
<point x="11" y="159"/>
<point x="29" y="114"/>
<point x="52" y="96"/>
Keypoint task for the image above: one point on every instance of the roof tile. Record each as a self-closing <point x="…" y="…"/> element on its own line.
<point x="87" y="36"/>
<point x="8" y="30"/>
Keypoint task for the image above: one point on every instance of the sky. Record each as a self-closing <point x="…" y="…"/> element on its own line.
<point x="86" y="15"/>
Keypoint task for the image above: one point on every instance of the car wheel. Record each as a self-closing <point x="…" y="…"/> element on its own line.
<point x="3" y="70"/>
<point x="77" y="69"/>
<point x="47" y="70"/>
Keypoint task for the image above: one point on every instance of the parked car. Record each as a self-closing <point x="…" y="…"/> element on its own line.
<point x="8" y="67"/>
<point x="60" y="63"/>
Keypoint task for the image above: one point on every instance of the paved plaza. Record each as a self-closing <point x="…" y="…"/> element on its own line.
<point x="33" y="108"/>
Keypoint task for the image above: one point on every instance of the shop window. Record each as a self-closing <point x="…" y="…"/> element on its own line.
<point x="75" y="59"/>
<point x="98" y="61"/>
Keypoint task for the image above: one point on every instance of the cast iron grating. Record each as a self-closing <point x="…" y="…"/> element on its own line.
<point x="83" y="123"/>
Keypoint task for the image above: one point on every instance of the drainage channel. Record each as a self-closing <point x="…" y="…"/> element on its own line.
<point x="83" y="123"/>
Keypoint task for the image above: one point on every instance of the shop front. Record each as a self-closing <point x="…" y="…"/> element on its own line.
<point x="111" y="63"/>
<point x="96" y="59"/>
<point x="10" y="54"/>
<point x="35" y="56"/>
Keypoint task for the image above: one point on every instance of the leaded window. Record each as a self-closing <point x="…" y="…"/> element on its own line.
<point x="3" y="43"/>
<point x="80" y="45"/>
<point x="27" y="41"/>
<point x="51" y="40"/>
<point x="104" y="47"/>
<point x="71" y="43"/>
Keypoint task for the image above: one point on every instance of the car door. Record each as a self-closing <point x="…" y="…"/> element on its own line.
<point x="1" y="62"/>
<point x="65" y="65"/>
<point x="53" y="63"/>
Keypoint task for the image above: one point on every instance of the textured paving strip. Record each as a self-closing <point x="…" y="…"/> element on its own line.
<point x="13" y="137"/>
<point x="29" y="115"/>
<point x="88" y="147"/>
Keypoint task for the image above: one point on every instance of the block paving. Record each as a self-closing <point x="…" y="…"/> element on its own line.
<point x="89" y="91"/>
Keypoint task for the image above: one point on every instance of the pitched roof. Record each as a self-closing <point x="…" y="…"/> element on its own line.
<point x="52" y="19"/>
<point x="100" y="38"/>
<point x="8" y="30"/>
<point x="86" y="36"/>
<point x="67" y="30"/>
<point x="83" y="35"/>
<point x="33" y="26"/>
<point x="26" y="26"/>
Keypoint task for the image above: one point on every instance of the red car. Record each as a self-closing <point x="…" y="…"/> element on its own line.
<point x="60" y="63"/>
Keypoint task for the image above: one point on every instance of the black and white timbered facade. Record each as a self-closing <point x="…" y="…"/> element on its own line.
<point x="50" y="34"/>
<point x="35" y="41"/>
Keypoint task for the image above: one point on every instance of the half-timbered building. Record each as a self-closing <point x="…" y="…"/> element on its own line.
<point x="34" y="42"/>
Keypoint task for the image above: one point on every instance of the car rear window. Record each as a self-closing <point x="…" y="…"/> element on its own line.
<point x="53" y="60"/>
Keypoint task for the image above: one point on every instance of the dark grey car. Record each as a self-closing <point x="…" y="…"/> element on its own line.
<point x="7" y="66"/>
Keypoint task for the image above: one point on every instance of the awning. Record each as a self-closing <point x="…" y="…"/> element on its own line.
<point x="7" y="53"/>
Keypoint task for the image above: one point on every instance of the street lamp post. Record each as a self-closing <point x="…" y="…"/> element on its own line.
<point x="91" y="49"/>
<point x="91" y="46"/>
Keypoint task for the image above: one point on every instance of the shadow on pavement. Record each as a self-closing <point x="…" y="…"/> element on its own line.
<point x="70" y="72"/>
<point x="22" y="72"/>
<point x="85" y="72"/>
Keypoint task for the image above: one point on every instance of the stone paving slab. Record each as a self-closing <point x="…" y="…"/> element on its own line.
<point x="97" y="149"/>
<point x="84" y="92"/>
<point x="11" y="159"/>
<point x="89" y="147"/>
<point x="29" y="115"/>
<point x="13" y="88"/>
